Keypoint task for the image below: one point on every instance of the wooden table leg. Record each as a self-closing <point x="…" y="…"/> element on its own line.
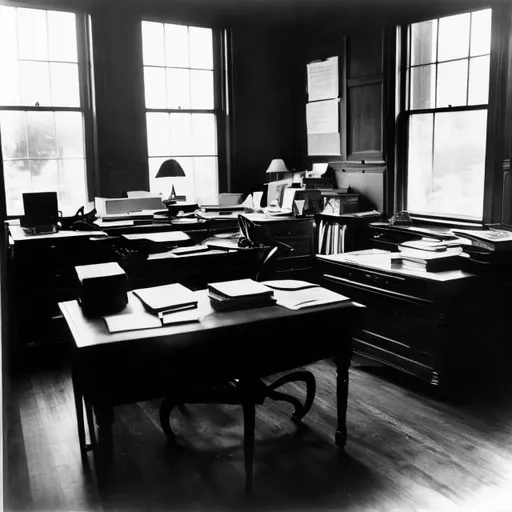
<point x="103" y="454"/>
<point x="79" y="407"/>
<point x="342" y="367"/>
<point x="249" y="409"/>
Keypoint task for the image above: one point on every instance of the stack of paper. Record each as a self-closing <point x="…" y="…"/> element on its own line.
<point x="239" y="294"/>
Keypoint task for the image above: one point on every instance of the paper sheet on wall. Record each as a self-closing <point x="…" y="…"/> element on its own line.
<point x="324" y="144"/>
<point x="322" y="116"/>
<point x="323" y="79"/>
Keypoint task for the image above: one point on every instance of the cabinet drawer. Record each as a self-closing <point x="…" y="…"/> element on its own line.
<point x="406" y="325"/>
<point x="302" y="246"/>
<point x="289" y="228"/>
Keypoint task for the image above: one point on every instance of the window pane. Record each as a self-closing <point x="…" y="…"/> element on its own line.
<point x="71" y="185"/>
<point x="459" y="163"/>
<point x="454" y="37"/>
<point x="17" y="181"/>
<point x="62" y="39"/>
<point x="10" y="88"/>
<point x="176" y="46"/>
<point x="452" y="83"/>
<point x="69" y="134"/>
<point x="64" y="85"/>
<point x="178" y="88"/>
<point x="423" y="42"/>
<point x="158" y="134"/>
<point x="204" y="134"/>
<point x="181" y="134"/>
<point x="419" y="178"/>
<point x="201" y="89"/>
<point x="45" y="175"/>
<point x="481" y="32"/>
<point x="201" y="48"/>
<point x="478" y="80"/>
<point x="154" y="87"/>
<point x="153" y="53"/>
<point x="423" y="83"/>
<point x="32" y="36"/>
<point x="206" y="183"/>
<point x="8" y="37"/>
<point x="35" y="83"/>
<point x="14" y="135"/>
<point x="41" y="134"/>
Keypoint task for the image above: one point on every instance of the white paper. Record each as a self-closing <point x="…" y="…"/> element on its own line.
<point x="164" y="237"/>
<point x="324" y="144"/>
<point x="308" y="297"/>
<point x="322" y="116"/>
<point x="131" y="322"/>
<point x="256" y="199"/>
<point x="323" y="79"/>
<point x="288" y="197"/>
<point x="275" y="190"/>
<point x="140" y="193"/>
<point x="318" y="169"/>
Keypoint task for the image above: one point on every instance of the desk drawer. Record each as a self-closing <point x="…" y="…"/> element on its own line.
<point x="290" y="227"/>
<point x="302" y="246"/>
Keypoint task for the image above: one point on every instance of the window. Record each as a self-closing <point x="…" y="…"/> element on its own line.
<point x="447" y="73"/>
<point x="41" y="107"/>
<point x="181" y="113"/>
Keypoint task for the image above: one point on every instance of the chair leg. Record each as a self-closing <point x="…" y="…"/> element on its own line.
<point x="249" y="409"/>
<point x="90" y="423"/>
<point x="165" y="412"/>
<point x="309" y="380"/>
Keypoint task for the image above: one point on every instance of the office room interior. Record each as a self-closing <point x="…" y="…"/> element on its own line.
<point x="415" y="143"/>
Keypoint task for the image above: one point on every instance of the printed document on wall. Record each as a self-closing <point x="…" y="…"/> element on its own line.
<point x="323" y="79"/>
<point x="322" y="116"/>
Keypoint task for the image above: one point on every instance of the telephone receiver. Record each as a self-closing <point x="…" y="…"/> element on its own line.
<point x="80" y="221"/>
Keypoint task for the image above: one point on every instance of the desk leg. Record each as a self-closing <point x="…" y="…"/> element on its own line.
<point x="249" y="426"/>
<point x="79" y="407"/>
<point x="342" y="366"/>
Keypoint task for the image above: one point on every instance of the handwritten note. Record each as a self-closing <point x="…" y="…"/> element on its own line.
<point x="323" y="79"/>
<point x="322" y="116"/>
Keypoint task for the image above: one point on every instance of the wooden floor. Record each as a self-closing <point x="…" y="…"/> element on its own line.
<point x="406" y="451"/>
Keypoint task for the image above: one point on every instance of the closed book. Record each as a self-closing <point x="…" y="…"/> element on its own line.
<point x="452" y="262"/>
<point x="240" y="288"/>
<point x="490" y="239"/>
<point x="229" y="304"/>
<point x="167" y="297"/>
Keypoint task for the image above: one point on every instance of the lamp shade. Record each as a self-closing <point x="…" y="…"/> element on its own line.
<point x="277" y="165"/>
<point x="170" y="169"/>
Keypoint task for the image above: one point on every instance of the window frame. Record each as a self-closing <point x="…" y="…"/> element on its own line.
<point x="221" y="45"/>
<point x="85" y="70"/>
<point x="491" y="212"/>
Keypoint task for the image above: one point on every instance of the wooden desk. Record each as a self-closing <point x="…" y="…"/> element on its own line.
<point x="444" y="327"/>
<point x="112" y="369"/>
<point x="41" y="268"/>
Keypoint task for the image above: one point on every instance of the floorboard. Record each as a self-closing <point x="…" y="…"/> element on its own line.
<point x="407" y="450"/>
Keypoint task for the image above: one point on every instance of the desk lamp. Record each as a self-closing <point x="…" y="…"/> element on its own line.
<point x="170" y="169"/>
<point x="277" y="166"/>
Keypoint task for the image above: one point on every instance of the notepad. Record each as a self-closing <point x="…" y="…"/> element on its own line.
<point x="166" y="297"/>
